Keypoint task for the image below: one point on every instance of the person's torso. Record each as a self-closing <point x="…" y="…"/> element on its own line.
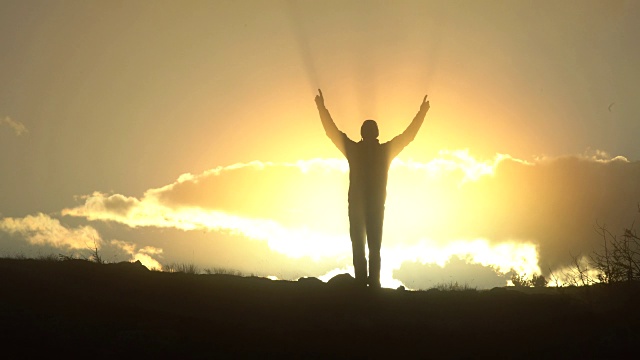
<point x="368" y="171"/>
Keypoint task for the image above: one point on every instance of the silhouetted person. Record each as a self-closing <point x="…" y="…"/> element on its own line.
<point x="369" y="163"/>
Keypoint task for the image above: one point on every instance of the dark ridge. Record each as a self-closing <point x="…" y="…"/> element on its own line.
<point x="81" y="308"/>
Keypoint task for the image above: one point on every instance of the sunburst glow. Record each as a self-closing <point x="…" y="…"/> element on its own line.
<point x="309" y="218"/>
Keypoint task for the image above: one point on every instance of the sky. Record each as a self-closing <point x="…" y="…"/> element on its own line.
<point x="186" y="132"/>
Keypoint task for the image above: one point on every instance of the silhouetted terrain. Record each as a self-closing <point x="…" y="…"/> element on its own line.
<point x="84" y="309"/>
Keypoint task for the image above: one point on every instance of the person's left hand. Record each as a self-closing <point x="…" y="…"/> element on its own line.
<point x="425" y="104"/>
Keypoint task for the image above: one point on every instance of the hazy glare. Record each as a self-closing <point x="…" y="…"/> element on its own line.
<point x="122" y="97"/>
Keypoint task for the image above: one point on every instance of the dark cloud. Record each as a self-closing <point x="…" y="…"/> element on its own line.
<point x="555" y="204"/>
<point x="119" y="204"/>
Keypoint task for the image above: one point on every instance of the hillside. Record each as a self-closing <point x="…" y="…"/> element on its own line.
<point x="80" y="308"/>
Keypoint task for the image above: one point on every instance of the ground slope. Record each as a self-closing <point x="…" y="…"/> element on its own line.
<point x="81" y="308"/>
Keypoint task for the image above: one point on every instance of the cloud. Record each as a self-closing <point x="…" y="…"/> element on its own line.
<point x="255" y="200"/>
<point x="298" y="208"/>
<point x="149" y="212"/>
<point x="17" y="126"/>
<point x="492" y="261"/>
<point x="555" y="204"/>
<point x="527" y="215"/>
<point x="41" y="229"/>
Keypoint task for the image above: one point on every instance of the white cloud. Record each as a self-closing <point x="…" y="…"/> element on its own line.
<point x="41" y="229"/>
<point x="15" y="125"/>
<point x="303" y="185"/>
<point x="530" y="216"/>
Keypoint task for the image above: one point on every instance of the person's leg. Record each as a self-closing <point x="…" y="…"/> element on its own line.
<point x="357" y="232"/>
<point x="374" y="221"/>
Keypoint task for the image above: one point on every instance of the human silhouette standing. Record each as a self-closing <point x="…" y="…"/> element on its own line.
<point x="369" y="163"/>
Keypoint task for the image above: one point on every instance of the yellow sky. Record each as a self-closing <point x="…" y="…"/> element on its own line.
<point x="101" y="97"/>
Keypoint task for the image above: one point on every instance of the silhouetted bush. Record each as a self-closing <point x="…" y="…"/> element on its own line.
<point x="181" y="268"/>
<point x="539" y="280"/>
<point x="619" y="258"/>
<point x="49" y="257"/>
<point x="522" y="281"/>
<point x="94" y="255"/>
<point x="454" y="286"/>
<point x="578" y="273"/>
<point x="223" y="271"/>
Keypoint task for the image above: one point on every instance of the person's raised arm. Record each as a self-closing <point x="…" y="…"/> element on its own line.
<point x="402" y="140"/>
<point x="330" y="128"/>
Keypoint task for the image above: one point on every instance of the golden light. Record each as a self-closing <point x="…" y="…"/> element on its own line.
<point x="299" y="210"/>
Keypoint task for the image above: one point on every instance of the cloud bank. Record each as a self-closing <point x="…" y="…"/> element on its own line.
<point x="555" y="203"/>
<point x="41" y="229"/>
<point x="531" y="215"/>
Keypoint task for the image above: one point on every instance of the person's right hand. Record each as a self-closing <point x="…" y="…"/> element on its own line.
<point x="425" y="104"/>
<point x="320" y="99"/>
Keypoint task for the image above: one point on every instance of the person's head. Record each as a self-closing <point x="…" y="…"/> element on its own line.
<point x="369" y="130"/>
